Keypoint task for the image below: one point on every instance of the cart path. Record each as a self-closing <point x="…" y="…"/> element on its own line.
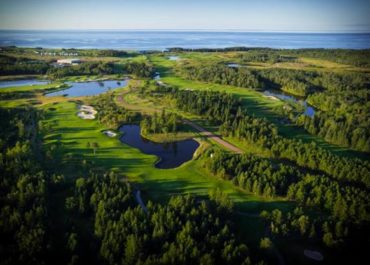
<point x="214" y="137"/>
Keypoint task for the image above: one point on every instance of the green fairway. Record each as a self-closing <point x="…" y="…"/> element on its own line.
<point x="74" y="133"/>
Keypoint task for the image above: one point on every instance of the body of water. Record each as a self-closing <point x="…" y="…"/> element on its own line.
<point x="24" y="82"/>
<point x="234" y="65"/>
<point x="170" y="155"/>
<point x="308" y="110"/>
<point x="159" y="40"/>
<point x="173" y="58"/>
<point x="91" y="88"/>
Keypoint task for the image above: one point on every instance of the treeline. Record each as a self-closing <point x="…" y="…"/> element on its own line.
<point x="347" y="240"/>
<point x="111" y="53"/>
<point x="343" y="118"/>
<point x="341" y="129"/>
<point x="342" y="97"/>
<point x="297" y="82"/>
<point x="86" y="68"/>
<point x="342" y="218"/>
<point x="222" y="74"/>
<point x="270" y="178"/>
<point x="182" y="231"/>
<point x="229" y="49"/>
<point x="18" y="66"/>
<point x="23" y="189"/>
<point x="235" y="122"/>
<point x="344" y="56"/>
<point x="101" y="222"/>
<point x="266" y="57"/>
<point x="139" y="69"/>
<point x="163" y="123"/>
<point x="293" y="81"/>
<point x="109" y="113"/>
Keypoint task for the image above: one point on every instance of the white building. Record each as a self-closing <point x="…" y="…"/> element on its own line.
<point x="69" y="61"/>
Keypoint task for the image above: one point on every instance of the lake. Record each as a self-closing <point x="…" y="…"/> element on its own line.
<point x="159" y="40"/>
<point x="171" y="155"/>
<point x="24" y="82"/>
<point x="91" y="88"/>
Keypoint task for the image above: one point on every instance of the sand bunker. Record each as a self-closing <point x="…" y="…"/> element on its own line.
<point x="110" y="133"/>
<point x="315" y="255"/>
<point x="271" y="97"/>
<point x="86" y="112"/>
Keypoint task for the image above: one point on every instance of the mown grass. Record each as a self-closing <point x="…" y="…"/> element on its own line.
<point x="73" y="133"/>
<point x="31" y="88"/>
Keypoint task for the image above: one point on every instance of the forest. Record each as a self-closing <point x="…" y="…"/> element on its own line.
<point x="109" y="113"/>
<point x="316" y="179"/>
<point x="15" y="66"/>
<point x="345" y="56"/>
<point x="183" y="231"/>
<point x="163" y="123"/>
<point x="341" y="99"/>
<point x="235" y="121"/>
<point x="71" y="195"/>
<point x="101" y="222"/>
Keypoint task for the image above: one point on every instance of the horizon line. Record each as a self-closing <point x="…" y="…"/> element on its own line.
<point x="204" y="30"/>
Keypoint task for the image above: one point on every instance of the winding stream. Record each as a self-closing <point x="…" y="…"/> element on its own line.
<point x="308" y="110"/>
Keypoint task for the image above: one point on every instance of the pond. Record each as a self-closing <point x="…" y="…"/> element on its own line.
<point x="90" y="88"/>
<point x="170" y="155"/>
<point x="23" y="82"/>
<point x="234" y="65"/>
<point x="157" y="76"/>
<point x="308" y="110"/>
<point x="173" y="58"/>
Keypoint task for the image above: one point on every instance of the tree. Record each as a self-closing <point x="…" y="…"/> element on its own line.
<point x="95" y="146"/>
<point x="265" y="243"/>
<point x="328" y="239"/>
<point x="132" y="249"/>
<point x="72" y="242"/>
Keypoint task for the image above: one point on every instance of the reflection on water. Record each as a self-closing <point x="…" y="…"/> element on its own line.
<point x="80" y="89"/>
<point x="24" y="82"/>
<point x="234" y="65"/>
<point x="171" y="154"/>
<point x="157" y="76"/>
<point x="308" y="110"/>
<point x="173" y="58"/>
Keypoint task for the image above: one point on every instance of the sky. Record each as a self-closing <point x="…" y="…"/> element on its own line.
<point x="236" y="15"/>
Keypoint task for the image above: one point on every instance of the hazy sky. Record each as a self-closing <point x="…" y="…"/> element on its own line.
<point x="249" y="15"/>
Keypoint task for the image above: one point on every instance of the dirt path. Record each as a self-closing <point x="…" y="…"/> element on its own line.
<point x="214" y="137"/>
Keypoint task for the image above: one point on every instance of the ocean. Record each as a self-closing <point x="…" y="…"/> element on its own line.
<point x="160" y="40"/>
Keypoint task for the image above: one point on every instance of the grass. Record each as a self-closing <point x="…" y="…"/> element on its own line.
<point x="74" y="133"/>
<point x="255" y="103"/>
<point x="32" y="88"/>
<point x="156" y="184"/>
